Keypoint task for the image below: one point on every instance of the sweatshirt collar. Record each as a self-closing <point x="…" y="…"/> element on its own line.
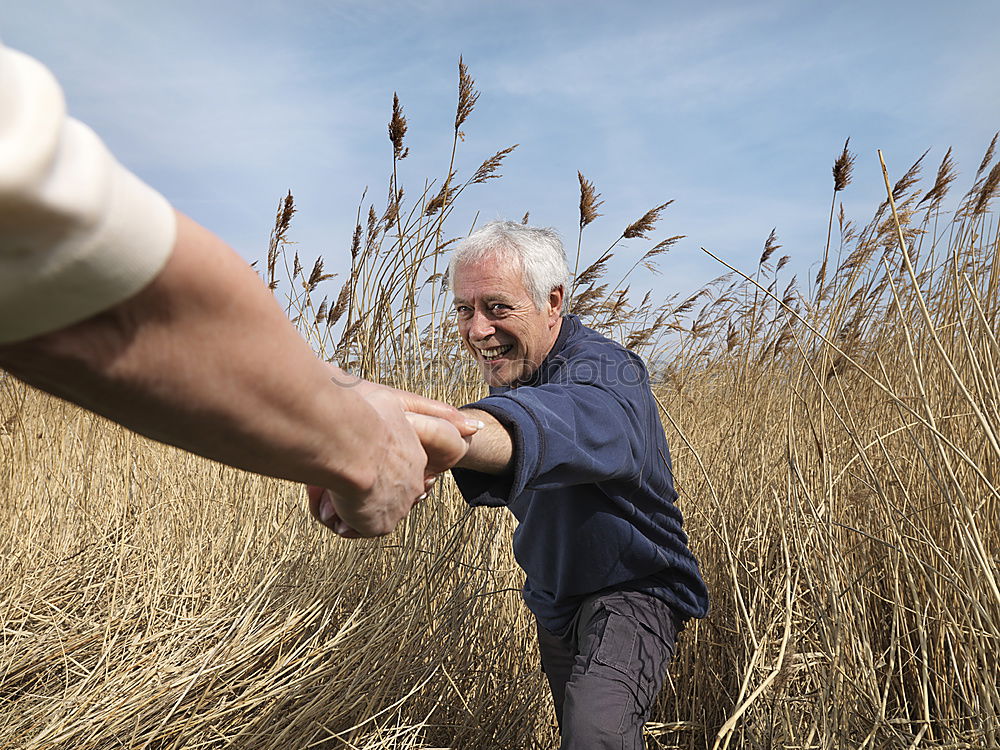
<point x="570" y="325"/>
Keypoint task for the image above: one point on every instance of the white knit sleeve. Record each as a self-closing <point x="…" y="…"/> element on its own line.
<point x="79" y="233"/>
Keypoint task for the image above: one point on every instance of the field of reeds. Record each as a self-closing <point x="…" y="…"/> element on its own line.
<point x="836" y="447"/>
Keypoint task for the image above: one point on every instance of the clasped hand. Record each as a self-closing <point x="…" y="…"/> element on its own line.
<point x="422" y="438"/>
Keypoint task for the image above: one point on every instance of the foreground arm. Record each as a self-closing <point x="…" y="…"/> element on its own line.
<point x="203" y="358"/>
<point x="111" y="300"/>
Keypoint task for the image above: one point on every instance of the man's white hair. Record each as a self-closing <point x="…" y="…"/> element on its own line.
<point x="537" y="251"/>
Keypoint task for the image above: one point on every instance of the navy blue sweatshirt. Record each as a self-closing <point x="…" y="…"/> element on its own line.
<point x="591" y="484"/>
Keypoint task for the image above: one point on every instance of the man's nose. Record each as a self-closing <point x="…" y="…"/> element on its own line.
<point x="481" y="327"/>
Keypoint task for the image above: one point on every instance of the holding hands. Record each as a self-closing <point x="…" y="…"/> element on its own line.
<point x="421" y="438"/>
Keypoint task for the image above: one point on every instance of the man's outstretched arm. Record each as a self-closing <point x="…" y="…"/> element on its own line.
<point x="490" y="449"/>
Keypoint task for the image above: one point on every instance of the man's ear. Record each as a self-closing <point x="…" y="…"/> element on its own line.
<point x="555" y="301"/>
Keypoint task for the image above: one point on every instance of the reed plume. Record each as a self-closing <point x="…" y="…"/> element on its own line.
<point x="282" y="220"/>
<point x="488" y="169"/>
<point x="589" y="202"/>
<point x="988" y="191"/>
<point x="397" y="129"/>
<point x="946" y="174"/>
<point x="988" y="156"/>
<point x="843" y="168"/>
<point x="771" y="246"/>
<point x="645" y="223"/>
<point x="467" y="95"/>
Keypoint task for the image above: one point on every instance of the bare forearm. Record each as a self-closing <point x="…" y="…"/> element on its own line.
<point x="490" y="449"/>
<point x="203" y="358"/>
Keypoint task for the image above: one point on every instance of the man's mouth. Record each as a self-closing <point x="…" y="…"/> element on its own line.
<point x="495" y="353"/>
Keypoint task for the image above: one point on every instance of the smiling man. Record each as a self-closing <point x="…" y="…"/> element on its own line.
<point x="574" y="447"/>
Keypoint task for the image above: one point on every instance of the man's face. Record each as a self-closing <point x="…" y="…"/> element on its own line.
<point x="498" y="320"/>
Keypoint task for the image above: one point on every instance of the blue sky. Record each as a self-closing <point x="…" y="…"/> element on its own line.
<point x="736" y="110"/>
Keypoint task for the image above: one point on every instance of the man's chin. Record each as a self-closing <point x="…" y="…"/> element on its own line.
<point x="497" y="377"/>
<point x="494" y="381"/>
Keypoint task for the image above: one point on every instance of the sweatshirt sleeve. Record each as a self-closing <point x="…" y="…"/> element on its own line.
<point x="585" y="429"/>
<point x="79" y="233"/>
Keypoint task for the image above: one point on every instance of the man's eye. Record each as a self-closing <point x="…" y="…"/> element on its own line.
<point x="499" y="308"/>
<point x="463" y="311"/>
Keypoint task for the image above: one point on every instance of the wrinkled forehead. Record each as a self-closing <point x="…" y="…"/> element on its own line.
<point x="497" y="270"/>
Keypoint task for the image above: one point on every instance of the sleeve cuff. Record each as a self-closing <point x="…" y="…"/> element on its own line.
<point x="79" y="233"/>
<point x="486" y="489"/>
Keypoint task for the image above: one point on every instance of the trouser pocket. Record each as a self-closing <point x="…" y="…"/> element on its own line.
<point x="618" y="643"/>
<point x="626" y="649"/>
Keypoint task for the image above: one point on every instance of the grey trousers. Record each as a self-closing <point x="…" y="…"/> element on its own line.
<point x="607" y="670"/>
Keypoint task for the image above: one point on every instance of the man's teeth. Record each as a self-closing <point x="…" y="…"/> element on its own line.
<point x="495" y="352"/>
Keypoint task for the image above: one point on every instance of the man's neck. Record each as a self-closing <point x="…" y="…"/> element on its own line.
<point x="555" y="336"/>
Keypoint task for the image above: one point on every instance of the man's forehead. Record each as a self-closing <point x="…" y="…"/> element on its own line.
<point x="491" y="276"/>
<point x="495" y="262"/>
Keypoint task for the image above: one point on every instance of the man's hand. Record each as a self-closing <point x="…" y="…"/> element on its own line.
<point x="466" y="425"/>
<point x="441" y="445"/>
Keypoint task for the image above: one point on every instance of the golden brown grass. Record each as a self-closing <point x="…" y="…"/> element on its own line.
<point x="836" y="452"/>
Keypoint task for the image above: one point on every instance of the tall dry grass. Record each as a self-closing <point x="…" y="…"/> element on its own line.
<point x="836" y="450"/>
